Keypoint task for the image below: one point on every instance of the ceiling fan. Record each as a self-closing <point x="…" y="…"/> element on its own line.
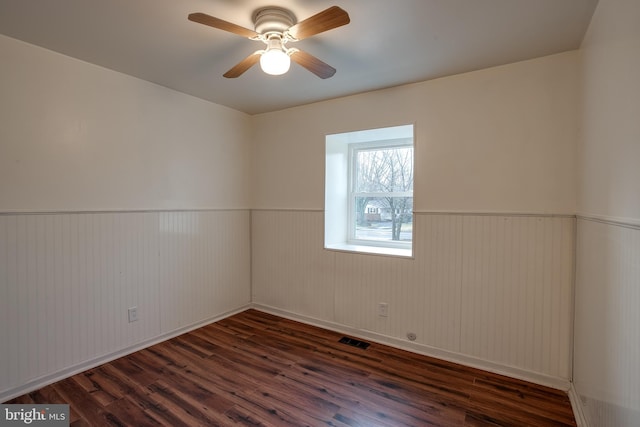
<point x="275" y="27"/>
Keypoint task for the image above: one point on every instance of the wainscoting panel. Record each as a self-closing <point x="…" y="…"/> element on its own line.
<point x="489" y="288"/>
<point x="423" y="294"/>
<point x="517" y="304"/>
<point x="290" y="268"/>
<point x="197" y="251"/>
<point x="68" y="279"/>
<point x="607" y="331"/>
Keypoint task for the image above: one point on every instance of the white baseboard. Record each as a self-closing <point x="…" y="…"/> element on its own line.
<point x="578" y="409"/>
<point x="533" y="377"/>
<point x="92" y="363"/>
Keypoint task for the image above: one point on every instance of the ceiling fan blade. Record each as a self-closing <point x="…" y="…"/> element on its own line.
<point x="313" y="64"/>
<point x="203" y="18"/>
<point x="243" y="65"/>
<point x="326" y="20"/>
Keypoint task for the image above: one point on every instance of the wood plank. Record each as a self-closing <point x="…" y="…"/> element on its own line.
<point x="48" y="394"/>
<point x="125" y="409"/>
<point x="257" y="369"/>
<point x="85" y="405"/>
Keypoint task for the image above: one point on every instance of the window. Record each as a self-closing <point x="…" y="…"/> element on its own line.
<point x="369" y="191"/>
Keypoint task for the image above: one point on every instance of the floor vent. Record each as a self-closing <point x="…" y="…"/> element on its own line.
<point x="354" y="342"/>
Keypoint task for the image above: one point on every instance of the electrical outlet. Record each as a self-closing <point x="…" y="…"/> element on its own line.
<point x="383" y="309"/>
<point x="133" y="314"/>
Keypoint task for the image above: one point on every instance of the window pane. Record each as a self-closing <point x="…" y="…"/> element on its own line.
<point x="384" y="218"/>
<point x="384" y="170"/>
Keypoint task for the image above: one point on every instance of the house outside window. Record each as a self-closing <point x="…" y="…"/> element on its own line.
<point x="369" y="191"/>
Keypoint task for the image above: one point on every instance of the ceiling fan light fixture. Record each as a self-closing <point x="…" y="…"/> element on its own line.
<point x="275" y="60"/>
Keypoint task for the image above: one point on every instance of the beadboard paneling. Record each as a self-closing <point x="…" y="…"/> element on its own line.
<point x="517" y="277"/>
<point x="198" y="251"/>
<point x="491" y="288"/>
<point x="423" y="293"/>
<point x="607" y="336"/>
<point x="290" y="268"/>
<point x="67" y="280"/>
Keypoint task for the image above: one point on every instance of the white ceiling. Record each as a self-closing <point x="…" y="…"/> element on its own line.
<point x="387" y="43"/>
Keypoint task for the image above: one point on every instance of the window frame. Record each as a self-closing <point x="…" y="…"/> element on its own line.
<point x="352" y="194"/>
<point x="338" y="183"/>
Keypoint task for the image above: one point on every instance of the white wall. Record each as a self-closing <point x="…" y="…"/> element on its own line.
<point x="607" y="336"/>
<point x="79" y="137"/>
<point x="488" y="144"/>
<point x="495" y="140"/>
<point x="609" y="152"/>
<point x="169" y="173"/>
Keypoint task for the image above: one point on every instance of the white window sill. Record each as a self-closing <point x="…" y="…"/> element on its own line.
<point x="375" y="250"/>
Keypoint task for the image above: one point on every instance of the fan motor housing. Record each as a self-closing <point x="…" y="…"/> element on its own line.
<point x="273" y="20"/>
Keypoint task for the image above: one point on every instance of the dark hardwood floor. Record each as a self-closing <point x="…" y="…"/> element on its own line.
<point x="258" y="369"/>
